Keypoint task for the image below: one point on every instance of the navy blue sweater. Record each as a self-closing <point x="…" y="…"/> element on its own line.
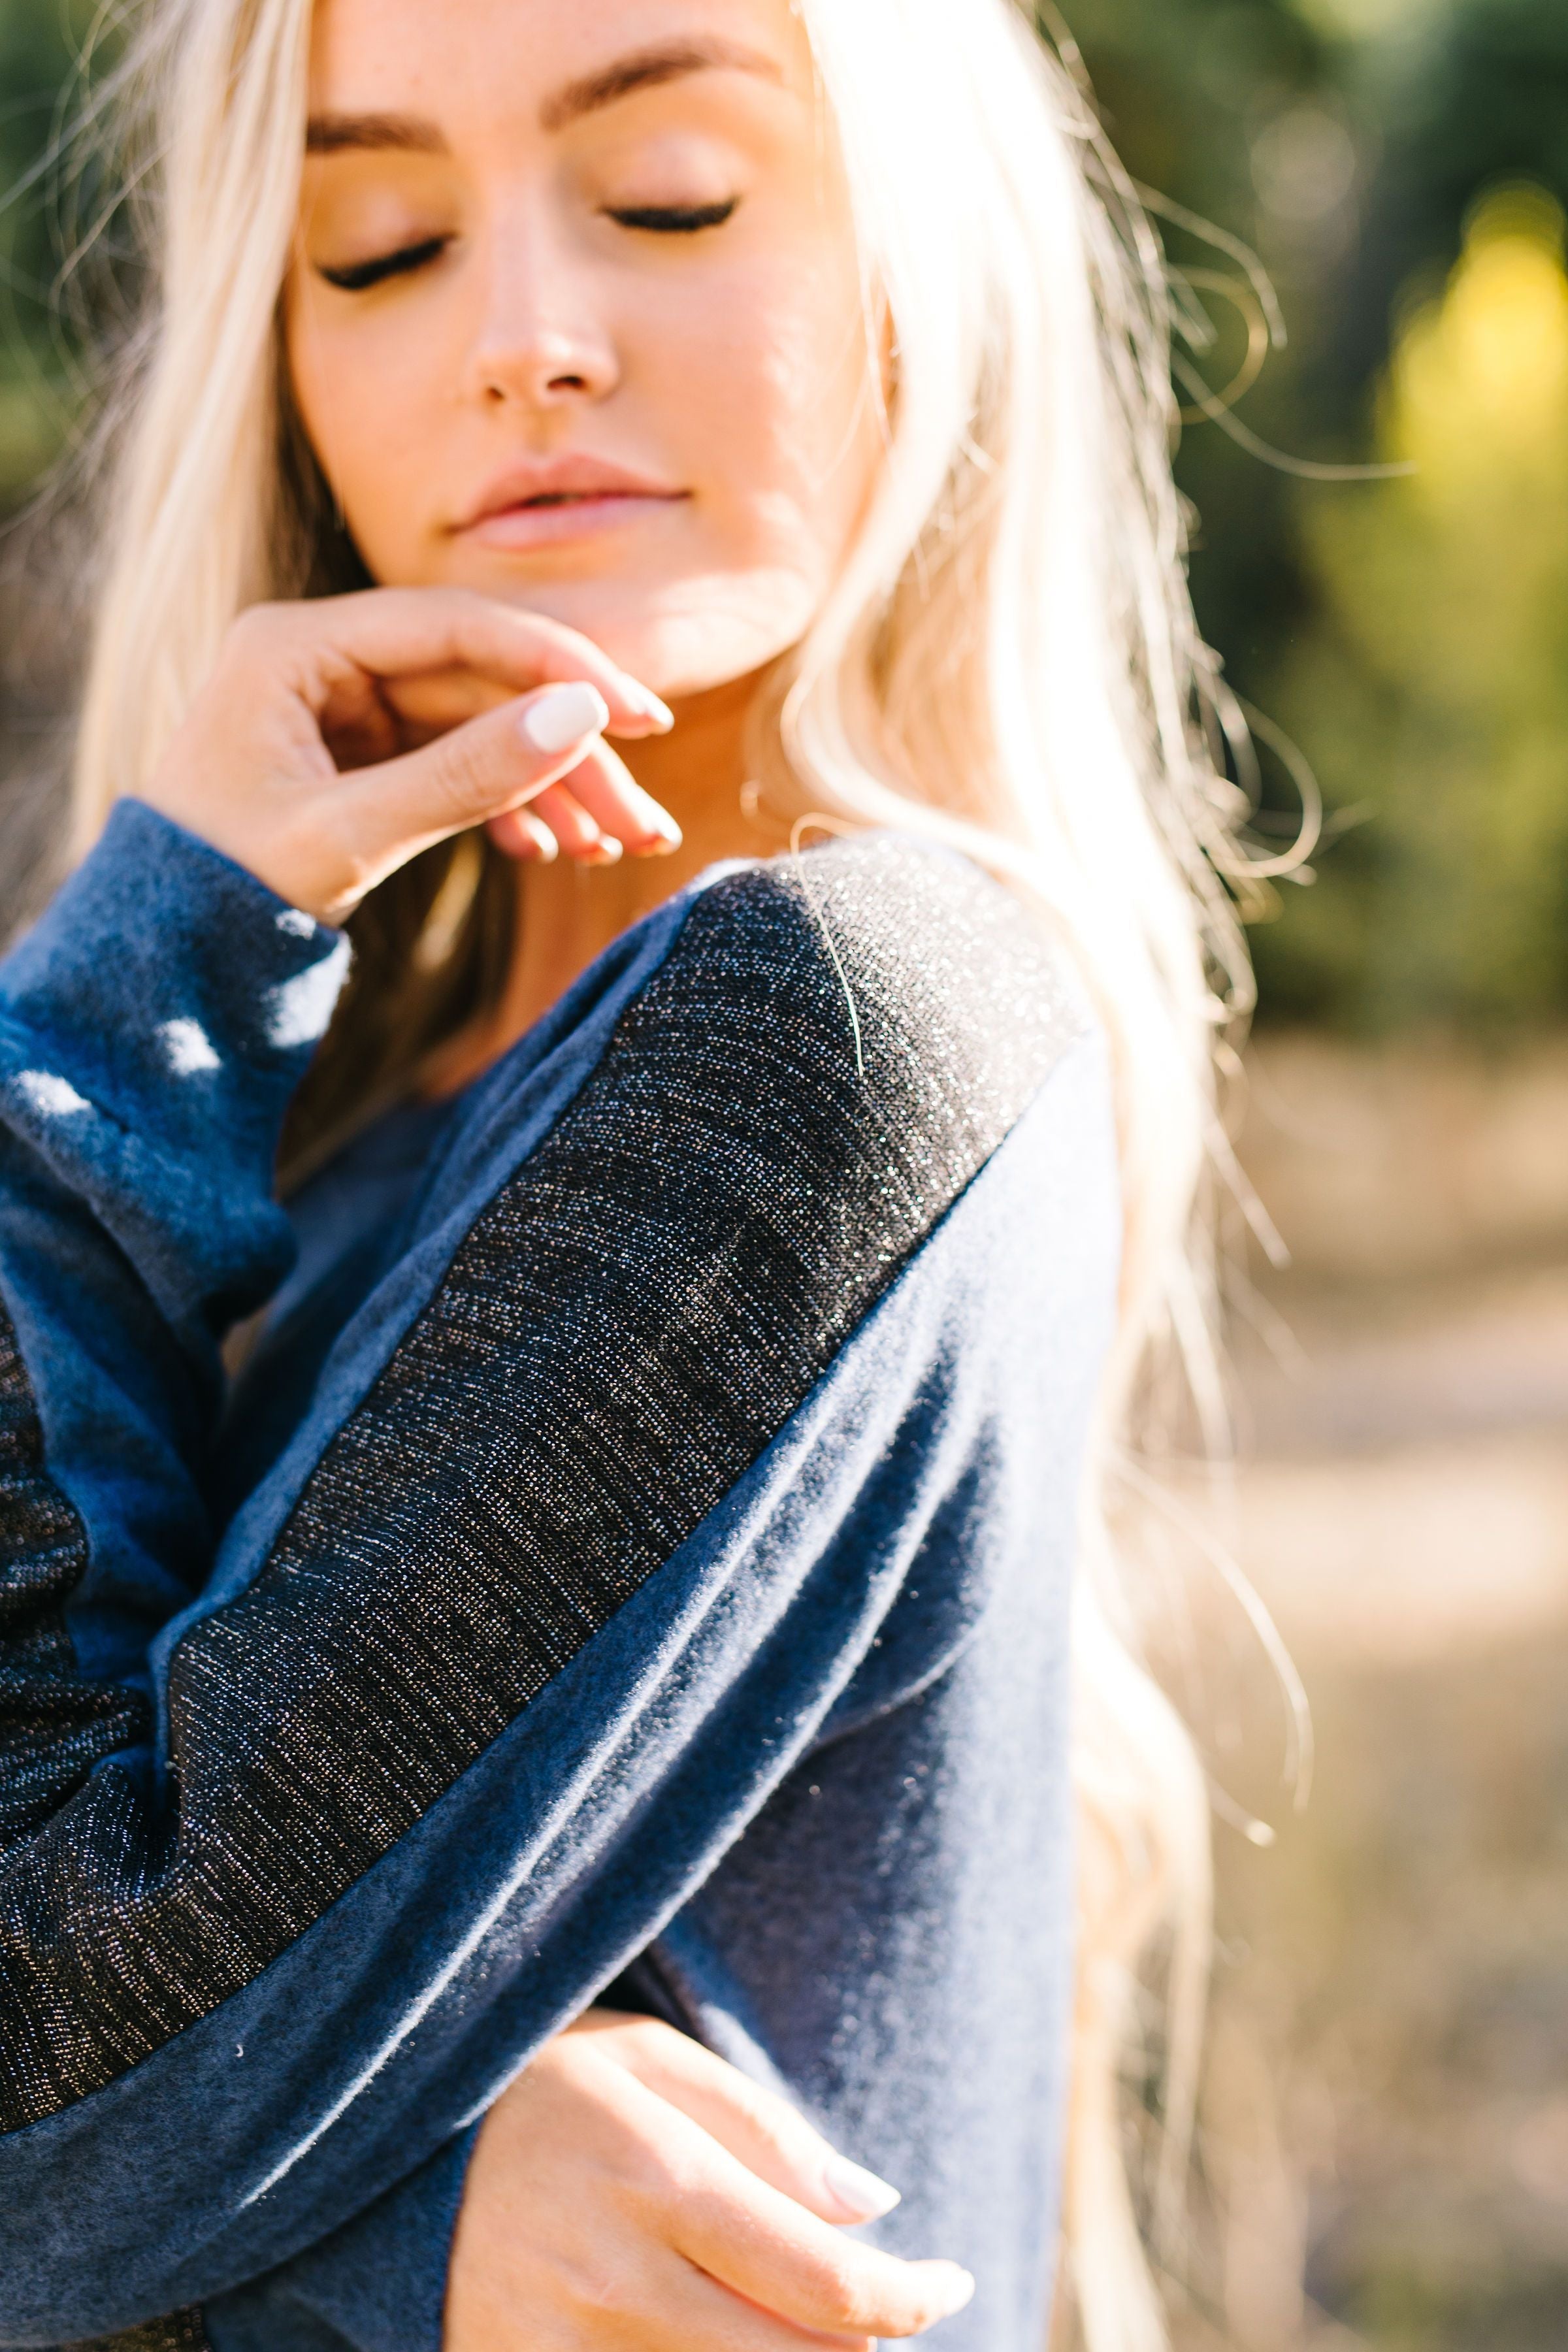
<point x="639" y="1557"/>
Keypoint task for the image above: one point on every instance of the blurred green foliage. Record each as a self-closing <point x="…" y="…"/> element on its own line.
<point x="1436" y="687"/>
<point x="1409" y="634"/>
<point x="42" y="44"/>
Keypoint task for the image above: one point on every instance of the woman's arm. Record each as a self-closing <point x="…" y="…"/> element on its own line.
<point x="152" y="1028"/>
<point x="600" y="1510"/>
<point x="617" y="2190"/>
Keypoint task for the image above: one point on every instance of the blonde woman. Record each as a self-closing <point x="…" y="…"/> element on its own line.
<point x="639" y="733"/>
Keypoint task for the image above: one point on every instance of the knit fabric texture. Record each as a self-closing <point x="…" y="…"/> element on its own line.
<point x="677" y="1515"/>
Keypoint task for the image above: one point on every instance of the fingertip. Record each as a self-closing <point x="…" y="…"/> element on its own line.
<point x="955" y="2286"/>
<point x="605" y="851"/>
<point x="647" y="706"/>
<point x="526" y="838"/>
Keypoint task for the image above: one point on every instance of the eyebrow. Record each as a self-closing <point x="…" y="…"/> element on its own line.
<point x="337" y="134"/>
<point x="645" y="69"/>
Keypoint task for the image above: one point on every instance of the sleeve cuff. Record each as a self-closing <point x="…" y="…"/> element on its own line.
<point x="378" y="2284"/>
<point x="170" y="979"/>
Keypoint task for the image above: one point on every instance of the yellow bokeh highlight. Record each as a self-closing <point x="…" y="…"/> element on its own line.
<point x="1478" y="387"/>
<point x="1362" y="20"/>
<point x="1437" y="698"/>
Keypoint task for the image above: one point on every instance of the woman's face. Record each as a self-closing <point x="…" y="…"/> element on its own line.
<point x="576" y="318"/>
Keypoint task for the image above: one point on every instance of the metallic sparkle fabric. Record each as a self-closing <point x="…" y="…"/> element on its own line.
<point x="832" y="1050"/>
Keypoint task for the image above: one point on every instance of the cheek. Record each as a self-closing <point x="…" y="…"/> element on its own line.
<point x="365" y="401"/>
<point x="758" y="394"/>
<point x="776" y="406"/>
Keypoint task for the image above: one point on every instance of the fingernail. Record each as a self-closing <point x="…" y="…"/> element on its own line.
<point x="959" y="2292"/>
<point x="606" y="852"/>
<point x="643" y="697"/>
<point x="559" y="716"/>
<point x="963" y="2289"/>
<point x="863" y="2196"/>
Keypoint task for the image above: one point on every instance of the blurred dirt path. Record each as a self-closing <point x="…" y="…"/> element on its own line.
<point x="1405" y="1398"/>
<point x="1404" y="1491"/>
<point x="1395" y="1970"/>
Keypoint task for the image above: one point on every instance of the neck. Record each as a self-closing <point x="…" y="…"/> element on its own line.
<point x="569" y="914"/>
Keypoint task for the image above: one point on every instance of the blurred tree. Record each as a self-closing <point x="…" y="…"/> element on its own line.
<point x="1186" y="90"/>
<point x="1466" y="93"/>
<point x="1438" y="689"/>
<point x="1410" y="636"/>
<point x="42" y="44"/>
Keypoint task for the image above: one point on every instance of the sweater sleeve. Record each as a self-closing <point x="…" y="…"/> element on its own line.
<point x="377" y="2285"/>
<point x="152" y="1028"/>
<point x="308" y="1842"/>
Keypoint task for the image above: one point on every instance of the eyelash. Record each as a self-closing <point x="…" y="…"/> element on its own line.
<point x="356" y="276"/>
<point x="662" y="220"/>
<point x="673" y="220"/>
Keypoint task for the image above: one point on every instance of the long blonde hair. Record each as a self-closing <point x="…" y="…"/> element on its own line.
<point x="1009" y="661"/>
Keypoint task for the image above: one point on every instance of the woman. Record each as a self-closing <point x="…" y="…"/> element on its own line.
<point x="634" y="1571"/>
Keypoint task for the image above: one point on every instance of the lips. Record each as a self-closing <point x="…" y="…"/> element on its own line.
<point x="537" y="501"/>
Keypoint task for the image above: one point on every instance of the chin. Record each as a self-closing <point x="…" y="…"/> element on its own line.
<point x="683" y="639"/>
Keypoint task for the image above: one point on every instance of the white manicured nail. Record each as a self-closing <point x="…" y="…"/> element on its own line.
<point x="560" y="716"/>
<point x="961" y="2291"/>
<point x="546" y="848"/>
<point x="861" y="2192"/>
<point x="645" y="700"/>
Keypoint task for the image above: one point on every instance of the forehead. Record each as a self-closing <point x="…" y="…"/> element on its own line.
<point x="515" y="56"/>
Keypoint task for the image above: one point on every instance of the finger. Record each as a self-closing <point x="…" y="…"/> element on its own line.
<point x="425" y="703"/>
<point x="696" y="2313"/>
<point x="478" y="771"/>
<point x="787" y="2261"/>
<point x="574" y="829"/>
<point x="763" y="2130"/>
<point x="400" y="632"/>
<point x="770" y="2250"/>
<point x="605" y="786"/>
<point x="519" y="833"/>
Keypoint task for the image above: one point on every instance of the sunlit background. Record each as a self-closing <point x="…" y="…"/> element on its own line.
<point x="1385" y="2156"/>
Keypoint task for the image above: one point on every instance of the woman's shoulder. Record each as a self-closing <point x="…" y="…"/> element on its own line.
<point x="875" y="966"/>
<point x="830" y="1050"/>
<point x="784" y="1092"/>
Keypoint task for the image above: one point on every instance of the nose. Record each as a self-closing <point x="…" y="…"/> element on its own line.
<point x="539" y="343"/>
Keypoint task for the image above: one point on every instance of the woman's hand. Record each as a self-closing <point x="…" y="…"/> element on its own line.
<point x="337" y="738"/>
<point x="631" y="2193"/>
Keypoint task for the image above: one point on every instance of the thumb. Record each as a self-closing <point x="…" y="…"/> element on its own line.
<point x="476" y="771"/>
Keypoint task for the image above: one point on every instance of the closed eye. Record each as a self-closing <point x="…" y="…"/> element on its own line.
<point x="673" y="220"/>
<point x="354" y="277"/>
